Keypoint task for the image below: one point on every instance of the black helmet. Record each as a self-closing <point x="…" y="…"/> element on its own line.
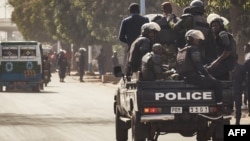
<point x="157" y="48"/>
<point x="197" y="3"/>
<point x="197" y="6"/>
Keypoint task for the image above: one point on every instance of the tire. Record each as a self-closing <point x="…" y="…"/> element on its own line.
<point x="36" y="88"/>
<point x="218" y="134"/>
<point x="202" y="131"/>
<point x="138" y="129"/>
<point x="121" y="129"/>
<point x="201" y="135"/>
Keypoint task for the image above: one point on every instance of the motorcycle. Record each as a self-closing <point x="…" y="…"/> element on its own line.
<point x="47" y="76"/>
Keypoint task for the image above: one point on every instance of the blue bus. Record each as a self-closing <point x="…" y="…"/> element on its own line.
<point x="21" y="65"/>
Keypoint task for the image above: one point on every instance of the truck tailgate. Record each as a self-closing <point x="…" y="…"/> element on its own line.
<point x="176" y="97"/>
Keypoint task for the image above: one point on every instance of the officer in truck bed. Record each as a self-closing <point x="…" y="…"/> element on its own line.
<point x="190" y="67"/>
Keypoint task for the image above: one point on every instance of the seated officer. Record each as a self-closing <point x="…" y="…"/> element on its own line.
<point x="151" y="68"/>
<point x="141" y="46"/>
<point x="190" y="67"/>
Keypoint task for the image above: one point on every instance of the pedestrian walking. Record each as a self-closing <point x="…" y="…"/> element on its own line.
<point x="82" y="63"/>
<point x="101" y="62"/>
<point x="115" y="60"/>
<point x="62" y="64"/>
<point x="241" y="78"/>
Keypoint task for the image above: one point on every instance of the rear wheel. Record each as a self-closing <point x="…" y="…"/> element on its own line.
<point x="138" y="129"/>
<point x="36" y="88"/>
<point x="203" y="130"/>
<point x="218" y="134"/>
<point x="120" y="128"/>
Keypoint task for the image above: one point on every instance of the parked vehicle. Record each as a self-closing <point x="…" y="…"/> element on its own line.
<point x="21" y="65"/>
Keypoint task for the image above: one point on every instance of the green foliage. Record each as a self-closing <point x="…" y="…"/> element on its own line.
<point x="86" y="22"/>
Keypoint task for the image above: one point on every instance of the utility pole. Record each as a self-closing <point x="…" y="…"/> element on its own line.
<point x="142" y="4"/>
<point x="5" y="8"/>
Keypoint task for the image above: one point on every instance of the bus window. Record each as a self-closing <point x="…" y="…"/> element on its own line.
<point x="10" y="52"/>
<point x="27" y="51"/>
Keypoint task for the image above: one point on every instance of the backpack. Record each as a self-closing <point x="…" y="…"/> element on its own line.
<point x="184" y="62"/>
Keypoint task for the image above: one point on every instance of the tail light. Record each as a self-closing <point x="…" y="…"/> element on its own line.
<point x="152" y="110"/>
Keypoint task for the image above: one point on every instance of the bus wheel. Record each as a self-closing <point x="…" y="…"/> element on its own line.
<point x="36" y="88"/>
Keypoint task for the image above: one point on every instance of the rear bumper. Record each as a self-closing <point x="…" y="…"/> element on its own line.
<point x="169" y="117"/>
<point x="162" y="117"/>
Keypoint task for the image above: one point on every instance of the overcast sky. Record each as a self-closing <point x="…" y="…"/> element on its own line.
<point x="2" y="9"/>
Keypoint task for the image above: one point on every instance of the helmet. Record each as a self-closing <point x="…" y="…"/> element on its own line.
<point x="197" y="3"/>
<point x="82" y="49"/>
<point x="197" y="6"/>
<point x="151" y="26"/>
<point x="219" y="20"/>
<point x="195" y="34"/>
<point x="157" y="48"/>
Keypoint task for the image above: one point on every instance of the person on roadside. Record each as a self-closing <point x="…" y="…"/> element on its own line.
<point x="62" y="64"/>
<point x="191" y="69"/>
<point x="46" y="67"/>
<point x="101" y="58"/>
<point x="82" y="63"/>
<point x="247" y="68"/>
<point x="241" y="78"/>
<point x="130" y="29"/>
<point x="77" y="55"/>
<point x="141" y="46"/>
<point x="115" y="60"/>
<point x="68" y="56"/>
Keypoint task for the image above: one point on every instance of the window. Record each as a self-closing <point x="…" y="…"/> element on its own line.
<point x="27" y="51"/>
<point x="10" y="52"/>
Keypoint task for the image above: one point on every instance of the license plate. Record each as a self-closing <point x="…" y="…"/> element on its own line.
<point x="175" y="110"/>
<point x="199" y="109"/>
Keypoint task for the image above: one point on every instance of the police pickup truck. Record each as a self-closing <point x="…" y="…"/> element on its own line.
<point x="153" y="108"/>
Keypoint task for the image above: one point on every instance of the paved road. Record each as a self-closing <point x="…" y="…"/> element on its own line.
<point x="70" y="111"/>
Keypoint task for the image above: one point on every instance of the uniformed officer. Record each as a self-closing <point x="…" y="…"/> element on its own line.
<point x="190" y="67"/>
<point x="241" y="75"/>
<point x="227" y="57"/>
<point x="167" y="36"/>
<point x="194" y="18"/>
<point x="142" y="45"/>
<point x="247" y="67"/>
<point x="151" y="67"/>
